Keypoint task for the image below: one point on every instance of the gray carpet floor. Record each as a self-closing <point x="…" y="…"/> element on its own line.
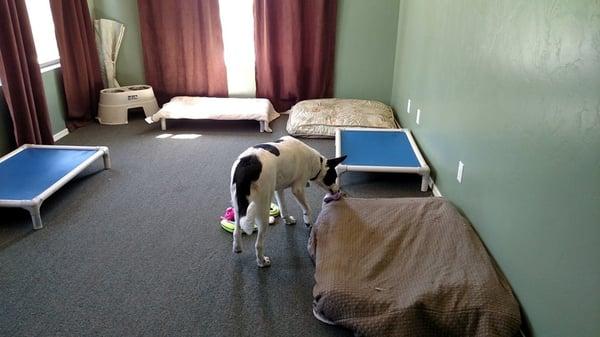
<point x="137" y="250"/>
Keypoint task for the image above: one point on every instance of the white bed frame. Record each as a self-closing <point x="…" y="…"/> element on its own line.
<point x="216" y="108"/>
<point x="33" y="205"/>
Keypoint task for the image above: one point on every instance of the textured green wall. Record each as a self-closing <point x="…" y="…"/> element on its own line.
<point x="366" y="41"/>
<point x="130" y="62"/>
<point x="512" y="88"/>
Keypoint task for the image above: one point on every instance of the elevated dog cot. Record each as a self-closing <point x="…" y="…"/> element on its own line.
<point x="32" y="173"/>
<point x="380" y="150"/>
<point x="188" y="107"/>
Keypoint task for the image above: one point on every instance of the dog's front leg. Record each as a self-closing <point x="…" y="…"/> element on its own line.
<point x="298" y="192"/>
<point x="280" y="197"/>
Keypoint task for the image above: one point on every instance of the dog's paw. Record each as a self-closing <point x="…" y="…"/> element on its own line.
<point x="289" y="220"/>
<point x="264" y="262"/>
<point x="237" y="248"/>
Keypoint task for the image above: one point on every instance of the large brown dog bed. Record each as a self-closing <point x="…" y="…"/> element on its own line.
<point x="407" y="267"/>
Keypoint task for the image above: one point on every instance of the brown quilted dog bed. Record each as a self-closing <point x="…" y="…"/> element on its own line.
<point x="407" y="267"/>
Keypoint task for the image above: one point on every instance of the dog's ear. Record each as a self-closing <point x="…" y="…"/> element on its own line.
<point x="336" y="161"/>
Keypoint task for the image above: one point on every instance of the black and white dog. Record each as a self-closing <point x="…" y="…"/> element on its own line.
<point x="267" y="169"/>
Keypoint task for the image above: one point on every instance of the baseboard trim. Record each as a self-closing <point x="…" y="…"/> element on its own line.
<point x="434" y="188"/>
<point x="60" y="134"/>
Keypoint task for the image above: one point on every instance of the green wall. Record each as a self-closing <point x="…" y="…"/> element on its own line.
<point x="130" y="62"/>
<point x="512" y="88"/>
<point x="365" y="45"/>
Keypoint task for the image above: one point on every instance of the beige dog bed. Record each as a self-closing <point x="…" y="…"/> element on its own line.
<point x="318" y="118"/>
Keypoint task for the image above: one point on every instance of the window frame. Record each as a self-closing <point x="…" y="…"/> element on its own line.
<point x="50" y="65"/>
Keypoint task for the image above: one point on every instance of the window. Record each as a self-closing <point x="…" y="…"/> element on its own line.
<point x="42" y="27"/>
<point x="237" y="21"/>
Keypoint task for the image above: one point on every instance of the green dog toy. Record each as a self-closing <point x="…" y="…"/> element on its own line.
<point x="228" y="219"/>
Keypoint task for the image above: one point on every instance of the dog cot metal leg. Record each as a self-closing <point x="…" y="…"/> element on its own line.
<point x="36" y="217"/>
<point x="425" y="183"/>
<point x="163" y="124"/>
<point x="106" y="158"/>
<point x="339" y="171"/>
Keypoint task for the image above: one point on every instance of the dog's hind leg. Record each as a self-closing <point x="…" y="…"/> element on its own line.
<point x="280" y="197"/>
<point x="262" y="222"/>
<point x="237" y="233"/>
<point x="298" y="192"/>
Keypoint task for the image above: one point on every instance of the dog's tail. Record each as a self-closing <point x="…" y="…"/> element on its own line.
<point x="244" y="174"/>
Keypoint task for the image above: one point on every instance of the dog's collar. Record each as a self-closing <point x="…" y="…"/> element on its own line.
<point x="316" y="175"/>
<point x="320" y="168"/>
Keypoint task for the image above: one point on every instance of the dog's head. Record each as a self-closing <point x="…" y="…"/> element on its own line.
<point x="327" y="174"/>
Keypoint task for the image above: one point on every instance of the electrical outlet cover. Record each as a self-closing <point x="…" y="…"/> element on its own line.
<point x="459" y="175"/>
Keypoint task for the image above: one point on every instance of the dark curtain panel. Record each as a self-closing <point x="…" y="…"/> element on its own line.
<point x="78" y="59"/>
<point x="183" y="48"/>
<point x="21" y="76"/>
<point x="295" y="50"/>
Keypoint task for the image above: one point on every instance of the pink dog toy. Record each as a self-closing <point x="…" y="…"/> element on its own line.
<point x="229" y="214"/>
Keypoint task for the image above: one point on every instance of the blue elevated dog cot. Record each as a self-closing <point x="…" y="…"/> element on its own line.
<point x="380" y="150"/>
<point x="31" y="173"/>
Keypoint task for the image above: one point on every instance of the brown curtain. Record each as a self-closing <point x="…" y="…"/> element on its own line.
<point x="295" y="50"/>
<point x="21" y="76"/>
<point x="78" y="59"/>
<point x="183" y="48"/>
